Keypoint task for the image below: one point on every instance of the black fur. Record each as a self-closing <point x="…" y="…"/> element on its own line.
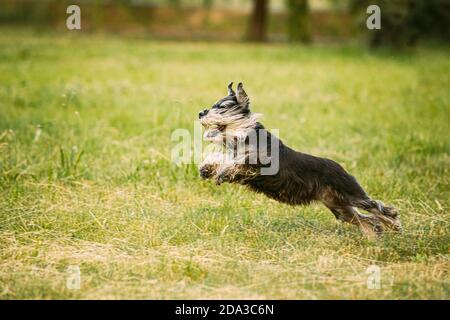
<point x="302" y="177"/>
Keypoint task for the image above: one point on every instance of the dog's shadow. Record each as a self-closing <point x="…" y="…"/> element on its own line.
<point x="311" y="223"/>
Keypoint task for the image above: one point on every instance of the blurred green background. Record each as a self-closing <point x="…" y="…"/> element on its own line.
<point x="405" y="22"/>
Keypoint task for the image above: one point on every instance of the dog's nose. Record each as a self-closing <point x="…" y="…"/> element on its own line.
<point x="203" y="113"/>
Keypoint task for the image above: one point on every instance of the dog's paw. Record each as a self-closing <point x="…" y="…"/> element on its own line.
<point x="205" y="172"/>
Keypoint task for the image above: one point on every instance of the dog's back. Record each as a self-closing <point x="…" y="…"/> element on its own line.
<point x="303" y="178"/>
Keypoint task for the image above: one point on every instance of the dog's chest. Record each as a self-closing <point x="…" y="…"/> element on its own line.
<point x="285" y="189"/>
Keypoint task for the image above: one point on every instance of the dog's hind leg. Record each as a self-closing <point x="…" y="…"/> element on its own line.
<point x="388" y="215"/>
<point x="369" y="225"/>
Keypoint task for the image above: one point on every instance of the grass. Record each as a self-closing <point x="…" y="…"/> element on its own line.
<point x="86" y="177"/>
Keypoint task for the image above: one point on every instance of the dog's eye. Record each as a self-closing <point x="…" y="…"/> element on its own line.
<point x="227" y="104"/>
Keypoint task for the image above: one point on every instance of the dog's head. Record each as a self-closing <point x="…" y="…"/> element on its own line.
<point x="232" y="111"/>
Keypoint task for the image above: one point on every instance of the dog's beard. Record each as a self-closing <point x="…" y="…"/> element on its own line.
<point x="231" y="124"/>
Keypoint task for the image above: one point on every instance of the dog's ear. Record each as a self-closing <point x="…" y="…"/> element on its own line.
<point x="230" y="89"/>
<point x="242" y="97"/>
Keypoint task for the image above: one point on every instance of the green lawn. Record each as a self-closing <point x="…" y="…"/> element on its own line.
<point x="86" y="177"/>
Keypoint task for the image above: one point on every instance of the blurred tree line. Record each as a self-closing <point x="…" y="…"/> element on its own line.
<point x="403" y="22"/>
<point x="298" y="21"/>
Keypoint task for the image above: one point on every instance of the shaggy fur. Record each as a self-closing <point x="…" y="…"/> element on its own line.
<point x="301" y="178"/>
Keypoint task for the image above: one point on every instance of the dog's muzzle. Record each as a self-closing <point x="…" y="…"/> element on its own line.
<point x="203" y="113"/>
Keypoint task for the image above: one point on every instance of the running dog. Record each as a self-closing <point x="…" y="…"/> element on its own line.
<point x="300" y="178"/>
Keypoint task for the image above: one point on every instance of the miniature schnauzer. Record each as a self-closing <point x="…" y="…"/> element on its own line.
<point x="299" y="178"/>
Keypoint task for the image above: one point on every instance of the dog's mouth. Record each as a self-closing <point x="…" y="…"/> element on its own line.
<point x="213" y="131"/>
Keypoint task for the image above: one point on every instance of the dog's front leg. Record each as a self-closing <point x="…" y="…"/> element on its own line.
<point x="231" y="173"/>
<point x="224" y="175"/>
<point x="208" y="170"/>
<point x="210" y="167"/>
